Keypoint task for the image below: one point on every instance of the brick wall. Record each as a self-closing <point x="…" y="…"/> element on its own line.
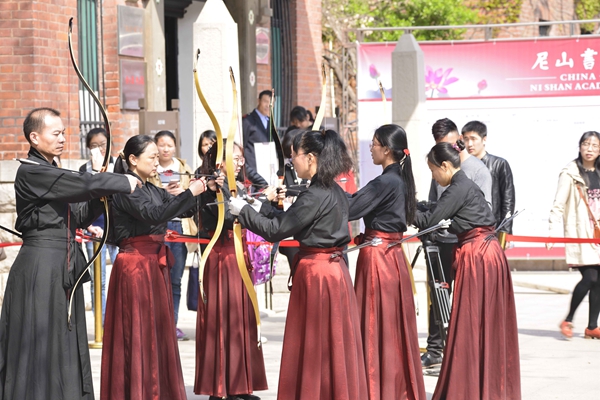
<point x="306" y="22"/>
<point x="124" y="124"/>
<point x="35" y="70"/>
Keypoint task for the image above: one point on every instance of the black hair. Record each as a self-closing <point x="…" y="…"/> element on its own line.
<point x="446" y="152"/>
<point x="579" y="159"/>
<point x="136" y="145"/>
<point x="164" y="133"/>
<point x="299" y="114"/>
<point x="475" y="126"/>
<point x="329" y="148"/>
<point x="394" y="138"/>
<point x="92" y="133"/>
<point x="35" y="120"/>
<point x="208" y="161"/>
<point x="310" y="116"/>
<point x="208" y="134"/>
<point x="288" y="140"/>
<point x="265" y="93"/>
<point x="442" y="127"/>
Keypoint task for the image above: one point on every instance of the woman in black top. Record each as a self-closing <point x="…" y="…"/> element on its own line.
<point x="481" y="359"/>
<point x="383" y="286"/>
<point x="322" y="350"/>
<point x="140" y="356"/>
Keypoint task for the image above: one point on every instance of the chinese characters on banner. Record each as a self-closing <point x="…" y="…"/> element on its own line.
<point x="524" y="68"/>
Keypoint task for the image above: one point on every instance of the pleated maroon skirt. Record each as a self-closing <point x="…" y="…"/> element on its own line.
<point x="228" y="359"/>
<point x="481" y="359"/>
<point x="322" y="354"/>
<point x="388" y="321"/>
<point x="140" y="356"/>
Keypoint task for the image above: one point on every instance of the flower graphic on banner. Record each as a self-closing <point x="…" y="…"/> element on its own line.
<point x="482" y="85"/>
<point x="373" y="71"/>
<point x="438" y="80"/>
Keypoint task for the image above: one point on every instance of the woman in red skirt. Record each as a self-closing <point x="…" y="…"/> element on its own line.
<point x="140" y="356"/>
<point x="383" y="282"/>
<point x="322" y="349"/>
<point x="229" y="364"/>
<point x="481" y="359"/>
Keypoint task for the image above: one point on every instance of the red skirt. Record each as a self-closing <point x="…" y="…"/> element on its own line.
<point x="481" y="359"/>
<point x="388" y="321"/>
<point x="322" y="354"/>
<point x="140" y="356"/>
<point x="228" y="359"/>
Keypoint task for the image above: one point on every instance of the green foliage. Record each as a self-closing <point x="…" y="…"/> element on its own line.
<point x="497" y="11"/>
<point x="378" y="13"/>
<point x="587" y="9"/>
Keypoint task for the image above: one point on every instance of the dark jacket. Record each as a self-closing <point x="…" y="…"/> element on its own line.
<point x="503" y="189"/>
<point x="254" y="132"/>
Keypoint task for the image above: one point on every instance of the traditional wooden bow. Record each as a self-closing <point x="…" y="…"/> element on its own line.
<point x="218" y="162"/>
<point x="321" y="113"/>
<point x="237" y="227"/>
<point x="103" y="169"/>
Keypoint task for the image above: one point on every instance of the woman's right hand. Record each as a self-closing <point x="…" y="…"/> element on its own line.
<point x="133" y="182"/>
<point x="198" y="186"/>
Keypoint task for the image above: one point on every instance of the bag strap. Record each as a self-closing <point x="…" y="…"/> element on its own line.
<point x="587" y="206"/>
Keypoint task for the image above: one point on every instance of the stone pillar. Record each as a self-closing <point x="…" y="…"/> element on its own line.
<point x="154" y="47"/>
<point x="215" y="34"/>
<point x="409" y="108"/>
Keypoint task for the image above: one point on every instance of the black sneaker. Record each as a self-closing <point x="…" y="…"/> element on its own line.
<point x="428" y="361"/>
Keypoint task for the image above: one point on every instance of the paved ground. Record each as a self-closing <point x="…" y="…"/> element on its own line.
<point x="551" y="368"/>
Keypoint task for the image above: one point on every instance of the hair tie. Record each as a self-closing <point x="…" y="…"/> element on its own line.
<point x="407" y="152"/>
<point x="455" y="147"/>
<point x="122" y="156"/>
<point x="323" y="132"/>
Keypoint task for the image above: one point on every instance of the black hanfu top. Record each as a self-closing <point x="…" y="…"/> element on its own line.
<point x="42" y="192"/>
<point x="318" y="218"/>
<point x="463" y="202"/>
<point x="147" y="210"/>
<point x="382" y="202"/>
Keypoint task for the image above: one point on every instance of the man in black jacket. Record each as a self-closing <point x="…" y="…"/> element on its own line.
<point x="503" y="188"/>
<point x="256" y="129"/>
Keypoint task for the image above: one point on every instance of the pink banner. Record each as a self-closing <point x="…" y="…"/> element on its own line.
<point x="523" y="68"/>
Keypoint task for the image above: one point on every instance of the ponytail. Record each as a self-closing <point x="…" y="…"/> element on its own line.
<point x="331" y="153"/>
<point x="446" y="152"/>
<point x="394" y="138"/>
<point x="136" y="145"/>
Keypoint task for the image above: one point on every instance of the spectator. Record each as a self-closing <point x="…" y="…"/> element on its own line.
<point x="503" y="188"/>
<point x="96" y="141"/>
<point x="173" y="174"/>
<point x="298" y="119"/>
<point x="256" y="129"/>
<point x="577" y="197"/>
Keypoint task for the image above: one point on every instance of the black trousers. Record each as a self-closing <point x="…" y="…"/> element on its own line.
<point x="435" y="346"/>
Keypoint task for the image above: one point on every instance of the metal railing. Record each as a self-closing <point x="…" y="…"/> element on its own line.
<point x="488" y="28"/>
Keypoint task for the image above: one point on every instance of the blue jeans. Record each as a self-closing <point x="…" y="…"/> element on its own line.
<point x="112" y="251"/>
<point x="180" y="252"/>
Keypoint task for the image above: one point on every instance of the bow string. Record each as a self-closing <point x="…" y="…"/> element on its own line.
<point x="103" y="169"/>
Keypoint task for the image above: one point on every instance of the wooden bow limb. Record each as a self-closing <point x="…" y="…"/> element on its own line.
<point x="237" y="227"/>
<point x="220" y="198"/>
<point x="105" y="164"/>
<point x="443" y="224"/>
<point x="322" y="106"/>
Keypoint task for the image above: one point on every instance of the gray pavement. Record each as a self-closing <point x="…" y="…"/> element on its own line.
<point x="551" y="367"/>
